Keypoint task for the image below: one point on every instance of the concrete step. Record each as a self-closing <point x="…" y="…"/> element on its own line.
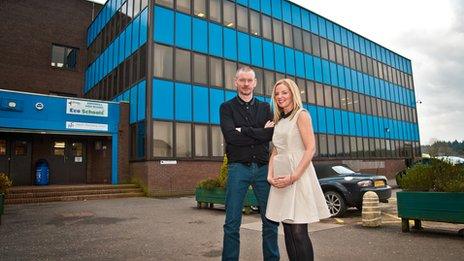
<point x="56" y="188"/>
<point x="43" y="194"/>
<point x="72" y="198"/>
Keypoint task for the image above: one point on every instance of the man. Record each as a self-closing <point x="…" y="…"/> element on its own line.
<point x="247" y="128"/>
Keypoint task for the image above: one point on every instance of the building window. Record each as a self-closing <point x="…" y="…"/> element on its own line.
<point x="183" y="6"/>
<point x="168" y="3"/>
<point x="298" y="40"/>
<point x="217" y="142"/>
<point x="277" y="30"/>
<point x="183" y="140"/>
<point x="200" y="73"/>
<point x="306" y="42"/>
<point x="242" y="19"/>
<point x="336" y="98"/>
<point x="301" y="83"/>
<point x="331" y="147"/>
<point x="215" y="72"/>
<point x="288" y="35"/>
<point x="319" y="94"/>
<point x="182" y="67"/>
<point x="230" y="68"/>
<point x="311" y="92"/>
<point x="201" y="140"/>
<point x="229" y="14"/>
<point x="58" y="148"/>
<point x="255" y="23"/>
<point x="163" y="62"/>
<point x="162" y="139"/>
<point x="199" y="8"/>
<point x="322" y="145"/>
<point x="259" y="81"/>
<point x="269" y="82"/>
<point x="315" y="44"/>
<point x="267" y="28"/>
<point x="215" y="10"/>
<point x="64" y="57"/>
<point x="324" y="51"/>
<point x="328" y="95"/>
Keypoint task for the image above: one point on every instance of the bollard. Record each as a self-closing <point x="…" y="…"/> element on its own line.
<point x="371" y="216"/>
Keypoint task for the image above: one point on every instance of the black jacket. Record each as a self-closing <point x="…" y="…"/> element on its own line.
<point x="252" y="143"/>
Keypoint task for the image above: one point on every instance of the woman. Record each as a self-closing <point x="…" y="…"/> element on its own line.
<point x="296" y="198"/>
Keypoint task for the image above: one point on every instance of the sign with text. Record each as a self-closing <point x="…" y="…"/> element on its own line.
<point x="86" y="108"/>
<point x="74" y="125"/>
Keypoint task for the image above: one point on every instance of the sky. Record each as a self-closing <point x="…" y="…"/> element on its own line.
<point x="429" y="33"/>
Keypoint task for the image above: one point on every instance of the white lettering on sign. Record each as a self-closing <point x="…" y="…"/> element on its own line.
<point x="86" y="108"/>
<point x="73" y="125"/>
<point x="168" y="162"/>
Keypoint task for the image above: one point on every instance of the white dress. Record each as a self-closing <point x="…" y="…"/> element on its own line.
<point x="303" y="201"/>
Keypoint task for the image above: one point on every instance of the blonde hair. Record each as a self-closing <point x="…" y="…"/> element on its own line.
<point x="296" y="97"/>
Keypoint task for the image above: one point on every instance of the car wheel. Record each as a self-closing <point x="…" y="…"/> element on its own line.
<point x="335" y="202"/>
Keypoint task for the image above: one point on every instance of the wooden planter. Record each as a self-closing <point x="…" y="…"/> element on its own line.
<point x="2" y="201"/>
<point x="208" y="198"/>
<point x="431" y="206"/>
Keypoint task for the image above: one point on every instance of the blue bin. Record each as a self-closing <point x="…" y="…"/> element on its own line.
<point x="42" y="172"/>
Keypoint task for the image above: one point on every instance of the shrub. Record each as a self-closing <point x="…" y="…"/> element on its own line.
<point x="5" y="183"/>
<point x="219" y="182"/>
<point x="437" y="176"/>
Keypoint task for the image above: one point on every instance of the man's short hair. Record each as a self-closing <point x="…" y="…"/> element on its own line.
<point x="245" y="69"/>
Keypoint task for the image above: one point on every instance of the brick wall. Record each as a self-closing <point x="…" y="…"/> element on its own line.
<point x="27" y="31"/>
<point x="123" y="149"/>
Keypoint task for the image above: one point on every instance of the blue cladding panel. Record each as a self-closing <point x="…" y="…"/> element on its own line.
<point x="243" y="47"/>
<point x="338" y="122"/>
<point x="133" y="104"/>
<point x="268" y="51"/>
<point x="330" y="121"/>
<point x="279" y="58"/>
<point x="230" y="95"/>
<point x="337" y="34"/>
<point x="265" y="6"/>
<point x="296" y="15"/>
<point x="309" y="66"/>
<point x="290" y="61"/>
<point x="313" y="113"/>
<point x="325" y="72"/>
<point x="305" y="20"/>
<point x="286" y="12"/>
<point x="358" y="124"/>
<point x="345" y="125"/>
<point x="200" y="35"/>
<point x="321" y="25"/>
<point x="216" y="98"/>
<point x="330" y="30"/>
<point x="215" y="39"/>
<point x="364" y="125"/>
<point x="141" y="101"/>
<point x="341" y="76"/>
<point x="200" y="104"/>
<point x="317" y="69"/>
<point x="254" y="4"/>
<point x="352" y="122"/>
<point x="277" y="8"/>
<point x="256" y="51"/>
<point x="354" y="80"/>
<point x="333" y="74"/>
<point x="321" y="119"/>
<point x="243" y="2"/>
<point x="135" y="34"/>
<point x="230" y="44"/>
<point x="163" y="100"/>
<point x="299" y="64"/>
<point x="313" y="22"/>
<point x="183" y="31"/>
<point x="164" y="25"/>
<point x="183" y="94"/>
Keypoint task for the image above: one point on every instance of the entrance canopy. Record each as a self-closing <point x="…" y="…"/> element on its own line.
<point x="35" y="113"/>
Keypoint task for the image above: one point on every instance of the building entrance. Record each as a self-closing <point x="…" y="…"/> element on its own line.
<point x="15" y="158"/>
<point x="67" y="160"/>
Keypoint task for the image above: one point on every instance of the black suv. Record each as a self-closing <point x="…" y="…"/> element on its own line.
<point x="345" y="188"/>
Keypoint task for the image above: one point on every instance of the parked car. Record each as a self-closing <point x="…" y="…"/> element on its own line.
<point x="345" y="188"/>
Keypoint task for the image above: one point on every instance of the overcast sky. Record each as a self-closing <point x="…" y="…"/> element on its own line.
<point x="429" y="33"/>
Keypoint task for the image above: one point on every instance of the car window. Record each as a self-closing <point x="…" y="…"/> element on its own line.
<point x="342" y="170"/>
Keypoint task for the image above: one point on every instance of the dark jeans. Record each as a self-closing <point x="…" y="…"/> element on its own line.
<point x="240" y="177"/>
